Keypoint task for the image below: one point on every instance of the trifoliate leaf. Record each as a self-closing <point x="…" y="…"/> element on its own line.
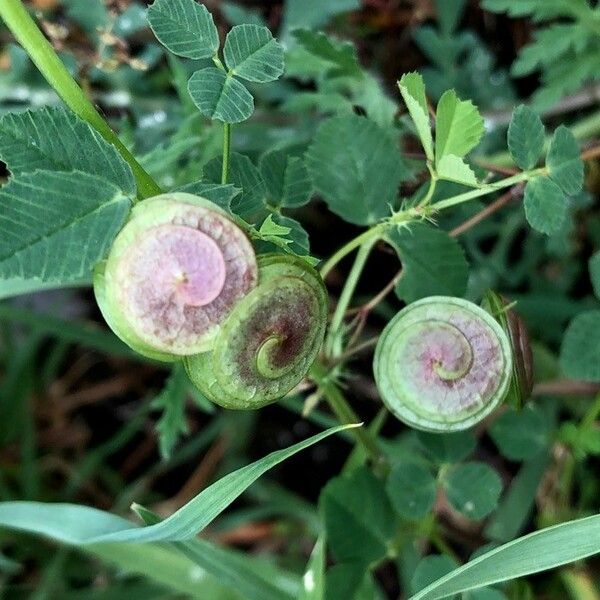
<point x="251" y="204"/>
<point x="253" y="54"/>
<point x="580" y="351"/>
<point x="473" y="489"/>
<point x="412" y="89"/>
<point x="220" y="96"/>
<point x="184" y="27"/>
<point x="56" y="226"/>
<point x="433" y="263"/>
<point x="564" y="162"/>
<point x="454" y="168"/>
<point x="340" y="54"/>
<point x="55" y="139"/>
<point x="525" y="137"/>
<point x="346" y="161"/>
<point x="545" y="205"/>
<point x="287" y="179"/>
<point x="411" y="489"/>
<point x="459" y="126"/>
<point x="171" y="401"/>
<point x="595" y="273"/>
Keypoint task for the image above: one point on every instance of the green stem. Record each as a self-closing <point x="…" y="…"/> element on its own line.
<point x="432" y="183"/>
<point x="41" y="52"/>
<point x="346" y="296"/>
<point x="226" y="152"/>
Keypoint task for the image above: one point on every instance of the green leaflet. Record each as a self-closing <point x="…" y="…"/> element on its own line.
<point x="412" y="89"/>
<point x="185" y="27"/>
<point x="220" y="96"/>
<point x="350" y="181"/>
<point x="564" y="164"/>
<point x="580" y="350"/>
<point x="82" y="525"/>
<point x="525" y="137"/>
<point x="545" y="205"/>
<point x="544" y="549"/>
<point x="253" y="54"/>
<point x="433" y="263"/>
<point x="340" y="54"/>
<point x="287" y="179"/>
<point x="54" y="139"/>
<point x="56" y="226"/>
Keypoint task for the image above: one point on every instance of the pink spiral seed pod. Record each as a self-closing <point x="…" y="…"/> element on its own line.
<point x="173" y="274"/>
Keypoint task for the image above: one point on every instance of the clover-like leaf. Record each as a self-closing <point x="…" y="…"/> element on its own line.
<point x="55" y="139"/>
<point x="580" y="351"/>
<point x="412" y="89"/>
<point x="340" y="54"/>
<point x="411" y="489"/>
<point x="564" y="162"/>
<point x="433" y="263"/>
<point x="56" y="226"/>
<point x="525" y="137"/>
<point x="350" y="180"/>
<point x="184" y="27"/>
<point x="287" y="179"/>
<point x="459" y="126"/>
<point x="220" y="96"/>
<point x="253" y="54"/>
<point x="545" y="205"/>
<point x="473" y="489"/>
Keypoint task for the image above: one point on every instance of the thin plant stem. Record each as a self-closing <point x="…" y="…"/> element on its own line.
<point x="347" y="292"/>
<point x="226" y="152"/>
<point x="41" y="52"/>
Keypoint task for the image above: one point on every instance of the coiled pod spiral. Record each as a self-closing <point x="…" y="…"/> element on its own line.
<point x="173" y="275"/>
<point x="442" y="364"/>
<point x="521" y="383"/>
<point x="270" y="339"/>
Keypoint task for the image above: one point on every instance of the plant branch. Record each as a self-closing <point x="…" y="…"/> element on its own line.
<point x="41" y="52"/>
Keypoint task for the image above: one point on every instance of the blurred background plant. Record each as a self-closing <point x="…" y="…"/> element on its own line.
<point x="83" y="419"/>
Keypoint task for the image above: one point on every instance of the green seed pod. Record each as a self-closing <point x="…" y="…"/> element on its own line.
<point x="173" y="275"/>
<point x="442" y="364"/>
<point x="521" y="383"/>
<point x="270" y="339"/>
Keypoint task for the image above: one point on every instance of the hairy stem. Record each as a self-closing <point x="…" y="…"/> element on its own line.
<point x="41" y="52"/>
<point x="226" y="152"/>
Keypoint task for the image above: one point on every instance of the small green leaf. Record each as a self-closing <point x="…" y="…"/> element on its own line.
<point x="411" y="489"/>
<point x="546" y="206"/>
<point x="459" y="126"/>
<point x="340" y="54"/>
<point x="521" y="434"/>
<point x="297" y="236"/>
<point x="220" y="96"/>
<point x="287" y="179"/>
<point x="358" y="517"/>
<point x="56" y="226"/>
<point x="171" y="401"/>
<point x="580" y="351"/>
<point x="54" y="139"/>
<point x="412" y="89"/>
<point x="250" y="205"/>
<point x="595" y="273"/>
<point x="270" y="228"/>
<point x="350" y="180"/>
<point x="221" y="195"/>
<point x="525" y="137"/>
<point x="185" y="27"/>
<point x="433" y="263"/>
<point x="473" y="489"/>
<point x="564" y="162"/>
<point x="430" y="569"/>
<point x="454" y="168"/>
<point x="253" y="54"/>
<point x="448" y="447"/>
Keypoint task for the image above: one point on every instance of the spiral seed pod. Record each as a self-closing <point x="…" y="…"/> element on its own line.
<point x="442" y="364"/>
<point x="174" y="273"/>
<point x="270" y="339"/>
<point x="521" y="383"/>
